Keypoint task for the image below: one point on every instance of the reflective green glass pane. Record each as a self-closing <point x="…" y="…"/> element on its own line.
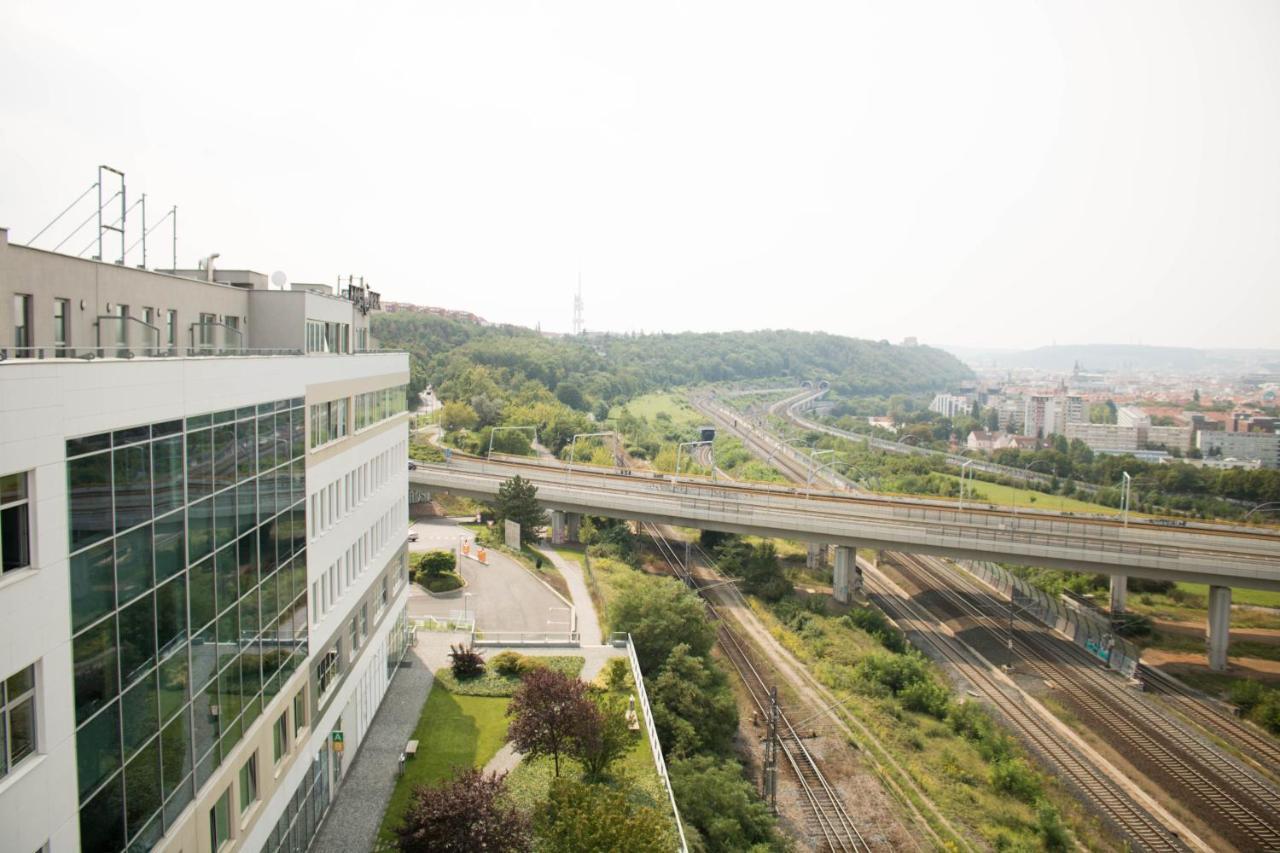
<point x="93" y="585"/>
<point x="298" y="435"/>
<point x="199" y="464"/>
<point x="97" y="680"/>
<point x="249" y="622"/>
<point x="89" y="499"/>
<point x="98" y="748"/>
<point x="204" y="656"/>
<point x="175" y="682"/>
<point x="224" y="517"/>
<point x="134" y="570"/>
<point x="171" y="614"/>
<point x="266" y="444"/>
<point x="228" y="636"/>
<point x="247" y="503"/>
<point x="205" y="713"/>
<point x="227" y="566"/>
<point x="102" y="819"/>
<point x="168" y="475"/>
<point x="269" y="601"/>
<point x="170" y="546"/>
<point x="199" y="530"/>
<point x="175" y="752"/>
<point x="137" y="639"/>
<point x="140" y="713"/>
<point x="224" y="456"/>
<point x="203" y="601"/>
<point x="142" y="787"/>
<point x="229" y="690"/>
<point x="246" y="450"/>
<point x="266" y="496"/>
<point x="132" y="485"/>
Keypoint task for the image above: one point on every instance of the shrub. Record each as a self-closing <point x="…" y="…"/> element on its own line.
<point x="441" y="583"/>
<point x="1012" y="776"/>
<point x="1267" y="713"/>
<point x="579" y="817"/>
<point x="1053" y="835"/>
<point x="507" y="663"/>
<point x="1247" y="694"/>
<point x="873" y="622"/>
<point x="465" y="661"/>
<point x="720" y="808"/>
<point x="435" y="563"/>
<point x="617" y="675"/>
<point x="895" y="672"/>
<point x="1134" y="625"/>
<point x="467" y="813"/>
<point x="529" y="664"/>
<point x="926" y="697"/>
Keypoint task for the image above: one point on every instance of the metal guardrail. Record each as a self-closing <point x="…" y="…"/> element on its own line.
<point x="434" y="623"/>
<point x="1090" y="631"/>
<point x="525" y="638"/>
<point x="655" y="745"/>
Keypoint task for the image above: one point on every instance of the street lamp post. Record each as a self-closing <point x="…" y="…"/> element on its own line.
<point x="1124" y="496"/>
<point x="465" y="596"/>
<point x="501" y="428"/>
<point x="964" y="469"/>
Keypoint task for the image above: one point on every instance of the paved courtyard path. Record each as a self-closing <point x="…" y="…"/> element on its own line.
<point x="588" y="619"/>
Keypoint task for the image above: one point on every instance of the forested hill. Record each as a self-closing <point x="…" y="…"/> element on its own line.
<point x="584" y="372"/>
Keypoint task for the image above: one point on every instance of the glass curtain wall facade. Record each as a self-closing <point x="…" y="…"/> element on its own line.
<point x="188" y="604"/>
<point x="297" y="826"/>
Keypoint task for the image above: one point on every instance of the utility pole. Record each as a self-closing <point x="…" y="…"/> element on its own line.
<point x="771" y="754"/>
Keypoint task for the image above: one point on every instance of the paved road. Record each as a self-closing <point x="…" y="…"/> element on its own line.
<point x="504" y="596"/>
<point x="588" y="621"/>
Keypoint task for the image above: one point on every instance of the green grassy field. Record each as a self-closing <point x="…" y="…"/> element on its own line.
<point x="1239" y="595"/>
<point x="452" y="731"/>
<point x="994" y="493"/>
<point x="648" y="407"/>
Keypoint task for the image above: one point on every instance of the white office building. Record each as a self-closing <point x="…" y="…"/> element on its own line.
<point x="950" y="405"/>
<point x="1045" y="414"/>
<point x="1264" y="447"/>
<point x="203" y="514"/>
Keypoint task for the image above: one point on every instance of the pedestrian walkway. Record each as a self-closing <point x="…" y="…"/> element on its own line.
<point x="588" y="620"/>
<point x="353" y="819"/>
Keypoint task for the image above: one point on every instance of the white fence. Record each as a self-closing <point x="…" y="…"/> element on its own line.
<point x="654" y="745"/>
<point x="1087" y="629"/>
<point x="525" y="638"/>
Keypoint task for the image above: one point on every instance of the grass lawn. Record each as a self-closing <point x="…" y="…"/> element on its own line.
<point x="1239" y="595"/>
<point x="994" y="493"/>
<point x="452" y="731"/>
<point x="494" y="683"/>
<point x="648" y="406"/>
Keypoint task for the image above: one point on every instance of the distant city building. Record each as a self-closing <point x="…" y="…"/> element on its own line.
<point x="1132" y="416"/>
<point x="460" y="316"/>
<point x="1262" y="446"/>
<point x="1044" y="415"/>
<point x="1118" y="438"/>
<point x="982" y="441"/>
<point x="950" y="405"/>
<point x="986" y="441"/>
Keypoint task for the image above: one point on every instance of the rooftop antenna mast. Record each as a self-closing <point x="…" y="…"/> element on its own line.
<point x="124" y="211"/>
<point x="578" y="325"/>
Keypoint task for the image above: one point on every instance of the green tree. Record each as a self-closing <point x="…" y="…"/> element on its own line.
<point x="518" y="501"/>
<point x="457" y="416"/>
<point x="579" y="817"/>
<point x="605" y="739"/>
<point x="693" y="708"/>
<point x="435" y="563"/>
<point x="719" y="806"/>
<point x="660" y="614"/>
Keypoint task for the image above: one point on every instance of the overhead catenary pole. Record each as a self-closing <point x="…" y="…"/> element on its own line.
<point x="144" y="231"/>
<point x="175" y="238"/>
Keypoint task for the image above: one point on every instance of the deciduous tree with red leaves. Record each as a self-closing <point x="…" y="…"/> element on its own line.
<point x="463" y="816"/>
<point x="550" y="712"/>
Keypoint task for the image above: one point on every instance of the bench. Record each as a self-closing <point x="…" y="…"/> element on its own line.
<point x="411" y="749"/>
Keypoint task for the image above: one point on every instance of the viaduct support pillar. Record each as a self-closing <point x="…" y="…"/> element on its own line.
<point x="572" y="520"/>
<point x="1119" y="594"/>
<point x="1219" y="632"/>
<point x="557" y="527"/>
<point x="817" y="557"/>
<point x="846" y="568"/>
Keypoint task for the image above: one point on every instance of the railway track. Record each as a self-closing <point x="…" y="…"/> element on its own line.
<point x="1238" y="804"/>
<point x="1208" y="714"/>
<point x="1131" y="820"/>
<point x="829" y="822"/>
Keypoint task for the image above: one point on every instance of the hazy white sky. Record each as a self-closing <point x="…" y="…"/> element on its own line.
<point x="1002" y="172"/>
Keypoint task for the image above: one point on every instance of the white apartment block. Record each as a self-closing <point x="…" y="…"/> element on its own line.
<point x="1262" y="446"/>
<point x="1131" y="416"/>
<point x="950" y="405"/>
<point x="1045" y="414"/>
<point x="1113" y="438"/>
<point x="203" y="524"/>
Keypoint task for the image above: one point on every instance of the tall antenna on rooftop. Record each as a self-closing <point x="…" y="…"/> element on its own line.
<point x="579" y="326"/>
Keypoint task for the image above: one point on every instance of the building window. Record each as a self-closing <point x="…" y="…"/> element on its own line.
<point x="328" y="422"/>
<point x="327" y="668"/>
<point x="299" y="712"/>
<point x="22" y="325"/>
<point x="171" y="328"/>
<point x="62" y="326"/>
<point x="17" y="718"/>
<point x="355" y="637"/>
<point x="15" y="522"/>
<point x="220" y="821"/>
<point x="364" y="620"/>
<point x="207" y="324"/>
<point x="374" y="406"/>
<point x="122" y="328"/>
<point x="280" y="738"/>
<point x="249" y="783"/>
<point x="232" y="332"/>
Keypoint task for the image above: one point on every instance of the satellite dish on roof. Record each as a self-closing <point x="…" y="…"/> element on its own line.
<point x="279" y="279"/>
